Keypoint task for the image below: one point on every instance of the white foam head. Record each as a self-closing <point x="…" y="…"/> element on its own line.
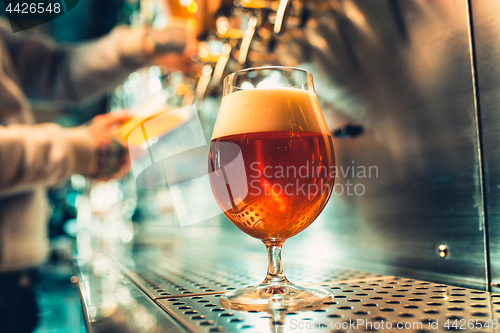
<point x="269" y="110"/>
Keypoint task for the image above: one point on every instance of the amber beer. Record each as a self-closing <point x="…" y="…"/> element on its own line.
<point x="287" y="165"/>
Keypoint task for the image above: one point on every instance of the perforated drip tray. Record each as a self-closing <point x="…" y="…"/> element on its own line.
<point x="173" y="278"/>
<point x="362" y="302"/>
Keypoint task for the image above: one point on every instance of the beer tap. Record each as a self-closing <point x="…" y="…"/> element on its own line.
<point x="280" y="13"/>
<point x="289" y="13"/>
<point x="215" y="64"/>
<point x="235" y="36"/>
<point x="350" y="130"/>
<point x="221" y="65"/>
<point x="201" y="87"/>
<point x="247" y="39"/>
<point x="258" y="8"/>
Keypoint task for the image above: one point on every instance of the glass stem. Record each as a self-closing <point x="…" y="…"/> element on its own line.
<point x="274" y="270"/>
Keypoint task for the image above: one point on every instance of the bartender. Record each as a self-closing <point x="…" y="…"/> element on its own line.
<point x="34" y="157"/>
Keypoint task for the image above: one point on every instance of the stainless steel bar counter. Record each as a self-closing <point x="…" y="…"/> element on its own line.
<point x="175" y="287"/>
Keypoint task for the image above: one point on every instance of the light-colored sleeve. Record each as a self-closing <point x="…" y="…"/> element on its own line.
<point x="48" y="71"/>
<point x="42" y="155"/>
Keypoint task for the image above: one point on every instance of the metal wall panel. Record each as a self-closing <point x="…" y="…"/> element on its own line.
<point x="486" y="23"/>
<point x="401" y="69"/>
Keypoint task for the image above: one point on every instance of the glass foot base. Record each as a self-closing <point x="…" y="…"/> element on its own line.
<point x="269" y="297"/>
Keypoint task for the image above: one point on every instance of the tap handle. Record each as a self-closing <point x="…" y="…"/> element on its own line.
<point x="201" y="87"/>
<point x="348" y="131"/>
<point x="220" y="66"/>
<point x="281" y="16"/>
<point x="247" y="40"/>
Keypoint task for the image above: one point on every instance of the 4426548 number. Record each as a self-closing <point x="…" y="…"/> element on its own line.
<point x="34" y="7"/>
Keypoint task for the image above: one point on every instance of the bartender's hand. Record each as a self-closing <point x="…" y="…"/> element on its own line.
<point x="112" y="160"/>
<point x="171" y="47"/>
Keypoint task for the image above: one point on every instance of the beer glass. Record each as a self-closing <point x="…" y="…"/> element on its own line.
<point x="272" y="170"/>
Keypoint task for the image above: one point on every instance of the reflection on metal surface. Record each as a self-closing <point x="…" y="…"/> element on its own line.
<point x="112" y="303"/>
<point x="414" y="97"/>
<point x="487" y="51"/>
